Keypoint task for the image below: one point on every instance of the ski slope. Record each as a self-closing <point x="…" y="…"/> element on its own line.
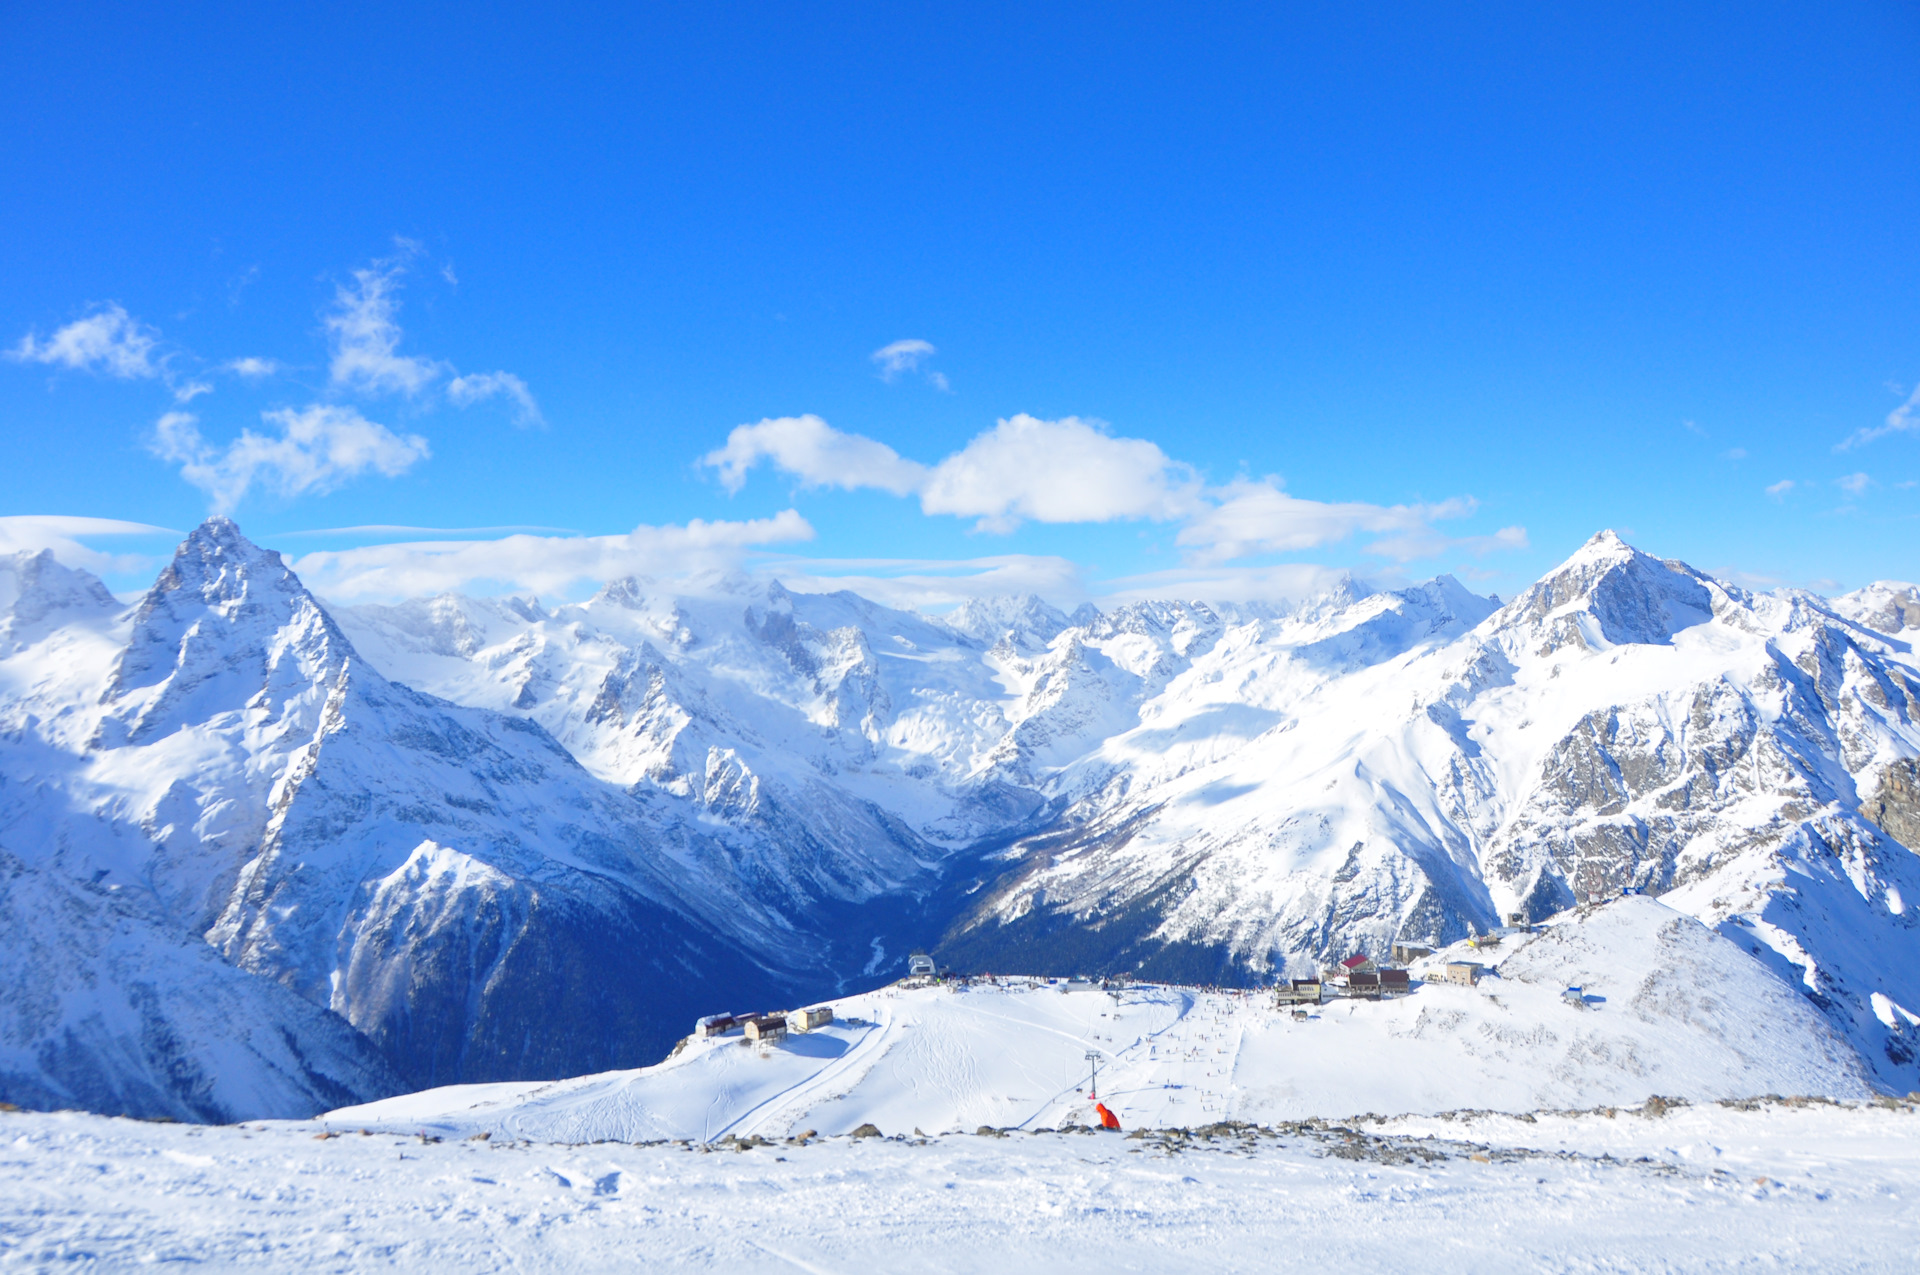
<point x="1669" y="1008"/>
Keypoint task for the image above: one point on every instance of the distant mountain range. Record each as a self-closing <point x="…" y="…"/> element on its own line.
<point x="260" y="855"/>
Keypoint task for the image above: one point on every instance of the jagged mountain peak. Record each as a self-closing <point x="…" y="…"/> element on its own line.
<point x="1609" y="593"/>
<point x="221" y="616"/>
<point x="217" y="562"/>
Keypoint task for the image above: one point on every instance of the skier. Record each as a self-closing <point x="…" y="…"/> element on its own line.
<point x="1107" y="1119"/>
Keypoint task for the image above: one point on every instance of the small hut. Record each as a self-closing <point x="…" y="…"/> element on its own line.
<point x="1466" y="973"/>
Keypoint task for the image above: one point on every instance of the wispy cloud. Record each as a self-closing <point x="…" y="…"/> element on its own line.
<point x="1855" y="485"/>
<point x="464" y="391"/>
<point x="1251" y="517"/>
<point x="394" y="529"/>
<point x="1902" y="419"/>
<point x="542" y="564"/>
<point x="364" y="330"/>
<point x="1780" y="489"/>
<point x="64" y="536"/>
<point x="252" y="368"/>
<point x="307" y="450"/>
<point x="903" y="357"/>
<point x="1279" y="582"/>
<point x="109" y="341"/>
<point x="313" y="449"/>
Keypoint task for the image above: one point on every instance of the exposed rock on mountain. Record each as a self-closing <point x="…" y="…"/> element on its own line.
<point x="470" y="839"/>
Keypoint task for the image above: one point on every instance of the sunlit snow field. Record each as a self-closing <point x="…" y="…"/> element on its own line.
<point x="1698" y="1188"/>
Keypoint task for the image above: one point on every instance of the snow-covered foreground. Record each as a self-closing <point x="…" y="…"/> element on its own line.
<point x="1697" y="1188"/>
<point x="1668" y="1008"/>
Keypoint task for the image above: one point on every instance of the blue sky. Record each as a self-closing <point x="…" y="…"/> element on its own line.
<point x="1201" y="300"/>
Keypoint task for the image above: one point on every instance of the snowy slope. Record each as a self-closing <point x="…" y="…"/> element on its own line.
<point x="1701" y="1188"/>
<point x="1673" y="1009"/>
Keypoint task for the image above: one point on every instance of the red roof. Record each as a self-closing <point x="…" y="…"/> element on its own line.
<point x="1353" y="962"/>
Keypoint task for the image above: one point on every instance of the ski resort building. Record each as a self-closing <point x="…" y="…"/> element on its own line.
<point x="920" y="965"/>
<point x="766" y="1028"/>
<point x="1408" y="953"/>
<point x="1466" y="973"/>
<point x="714" y="1025"/>
<point x="1300" y="991"/>
<point x="805" y="1020"/>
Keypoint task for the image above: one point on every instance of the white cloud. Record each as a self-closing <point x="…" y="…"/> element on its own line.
<point x="1902" y="419"/>
<point x="365" y="336"/>
<point x="316" y="449"/>
<point x="62" y="534"/>
<point x="464" y="391"/>
<point x="109" y="341"/>
<point x="253" y="369"/>
<point x="1854" y="484"/>
<point x="1780" y="489"/>
<point x="542" y="564"/>
<point x="817" y="454"/>
<point x="1069" y="470"/>
<point x="1259" y="516"/>
<point x="902" y="357"/>
<point x="1073" y="470"/>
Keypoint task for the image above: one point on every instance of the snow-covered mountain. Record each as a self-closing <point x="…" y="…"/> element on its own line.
<point x="1422" y="772"/>
<point x="488" y="839"/>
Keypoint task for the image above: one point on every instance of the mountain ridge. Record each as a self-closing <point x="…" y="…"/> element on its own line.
<point x="497" y="840"/>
